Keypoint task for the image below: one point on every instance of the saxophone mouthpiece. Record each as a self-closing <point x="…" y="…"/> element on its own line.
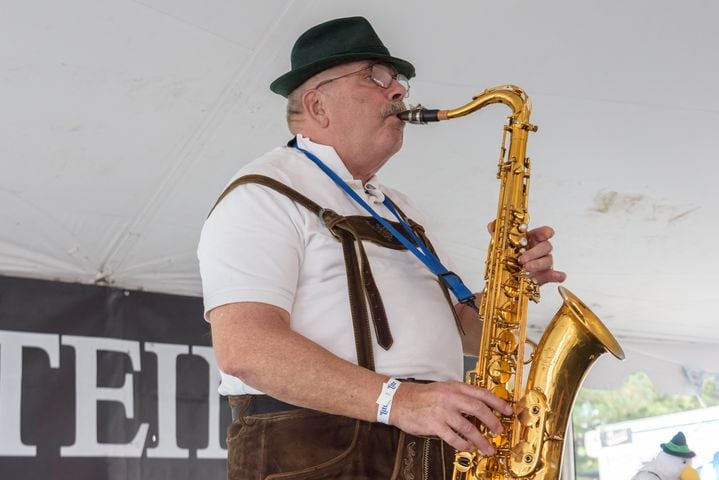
<point x="419" y="115"/>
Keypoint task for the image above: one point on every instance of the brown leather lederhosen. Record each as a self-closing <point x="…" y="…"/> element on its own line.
<point x="269" y="439"/>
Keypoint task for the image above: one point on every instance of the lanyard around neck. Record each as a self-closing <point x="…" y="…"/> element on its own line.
<point x="450" y="279"/>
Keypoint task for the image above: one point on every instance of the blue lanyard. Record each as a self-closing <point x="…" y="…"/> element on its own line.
<point x="416" y="246"/>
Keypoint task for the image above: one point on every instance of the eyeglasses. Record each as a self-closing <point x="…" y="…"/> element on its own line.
<point x="380" y="74"/>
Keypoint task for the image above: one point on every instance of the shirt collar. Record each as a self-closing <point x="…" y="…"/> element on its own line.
<point x="329" y="157"/>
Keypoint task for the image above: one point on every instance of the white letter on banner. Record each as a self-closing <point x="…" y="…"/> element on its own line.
<point x="214" y="449"/>
<point x="167" y="400"/>
<point x="87" y="394"/>
<point x="11" y="345"/>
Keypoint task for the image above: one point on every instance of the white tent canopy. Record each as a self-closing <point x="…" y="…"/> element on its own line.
<point x="122" y="121"/>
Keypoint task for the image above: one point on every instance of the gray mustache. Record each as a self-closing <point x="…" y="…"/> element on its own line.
<point x="393" y="109"/>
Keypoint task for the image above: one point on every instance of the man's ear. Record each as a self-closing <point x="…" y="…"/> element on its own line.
<point x="314" y="106"/>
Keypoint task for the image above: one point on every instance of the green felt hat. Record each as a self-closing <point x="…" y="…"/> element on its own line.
<point x="333" y="43"/>
<point x="678" y="447"/>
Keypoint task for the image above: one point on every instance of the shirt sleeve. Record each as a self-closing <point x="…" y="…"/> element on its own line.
<point x="251" y="249"/>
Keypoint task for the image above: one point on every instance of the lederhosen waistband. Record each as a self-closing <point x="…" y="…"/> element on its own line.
<point x="249" y="405"/>
<point x="350" y="231"/>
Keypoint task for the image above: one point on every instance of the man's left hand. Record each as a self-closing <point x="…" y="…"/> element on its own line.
<point x="537" y="260"/>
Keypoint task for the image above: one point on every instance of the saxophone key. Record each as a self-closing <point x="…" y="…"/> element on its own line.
<point x="506" y="342"/>
<point x="500" y="371"/>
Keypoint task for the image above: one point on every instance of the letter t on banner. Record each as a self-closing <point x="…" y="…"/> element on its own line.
<point x="11" y="345"/>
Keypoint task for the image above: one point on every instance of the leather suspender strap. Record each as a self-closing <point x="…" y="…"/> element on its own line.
<point x="362" y="289"/>
<point x="366" y="228"/>
<point x="358" y="306"/>
<point x="275" y="185"/>
<point x="351" y="231"/>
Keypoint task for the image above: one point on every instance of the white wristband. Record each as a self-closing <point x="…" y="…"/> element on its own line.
<point x="384" y="401"/>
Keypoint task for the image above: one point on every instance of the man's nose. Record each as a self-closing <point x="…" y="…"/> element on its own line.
<point x="396" y="91"/>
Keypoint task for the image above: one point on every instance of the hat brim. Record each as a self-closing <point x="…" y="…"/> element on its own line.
<point x="671" y="451"/>
<point x="285" y="84"/>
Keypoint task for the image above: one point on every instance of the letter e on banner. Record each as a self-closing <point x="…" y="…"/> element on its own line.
<point x="87" y="394"/>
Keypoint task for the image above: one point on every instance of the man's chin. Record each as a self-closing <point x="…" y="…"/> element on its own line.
<point x="398" y="143"/>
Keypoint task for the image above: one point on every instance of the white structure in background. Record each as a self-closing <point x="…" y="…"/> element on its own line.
<point x="623" y="447"/>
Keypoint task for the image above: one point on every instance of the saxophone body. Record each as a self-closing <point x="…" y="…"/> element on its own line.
<point x="531" y="445"/>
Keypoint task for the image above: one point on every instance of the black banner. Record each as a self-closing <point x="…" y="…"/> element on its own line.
<point x="104" y="383"/>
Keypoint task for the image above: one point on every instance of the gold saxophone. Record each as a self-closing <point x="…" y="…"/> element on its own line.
<point x="531" y="445"/>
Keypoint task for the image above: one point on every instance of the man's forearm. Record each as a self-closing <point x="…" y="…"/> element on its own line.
<point x="270" y="357"/>
<point x="471" y="325"/>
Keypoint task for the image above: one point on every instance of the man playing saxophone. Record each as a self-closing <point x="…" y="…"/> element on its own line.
<point x="340" y="344"/>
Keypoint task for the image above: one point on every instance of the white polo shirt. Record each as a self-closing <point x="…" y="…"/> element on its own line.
<point x="260" y="246"/>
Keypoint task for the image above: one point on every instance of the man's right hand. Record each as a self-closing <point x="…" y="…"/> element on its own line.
<point x="441" y="409"/>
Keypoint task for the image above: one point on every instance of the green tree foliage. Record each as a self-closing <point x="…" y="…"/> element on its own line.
<point x="637" y="398"/>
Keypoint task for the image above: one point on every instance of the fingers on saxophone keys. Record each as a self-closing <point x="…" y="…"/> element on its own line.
<point x="538" y="251"/>
<point x="464" y="436"/>
<point x="540" y="234"/>
<point x="485" y="415"/>
<point x="487" y="400"/>
<point x="549" y="276"/>
<point x="539" y="264"/>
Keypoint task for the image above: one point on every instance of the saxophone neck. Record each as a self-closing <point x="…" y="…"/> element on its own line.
<point x="512" y="96"/>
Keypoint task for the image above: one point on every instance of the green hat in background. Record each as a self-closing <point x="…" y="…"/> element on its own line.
<point x="333" y="43"/>
<point x="678" y="447"/>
